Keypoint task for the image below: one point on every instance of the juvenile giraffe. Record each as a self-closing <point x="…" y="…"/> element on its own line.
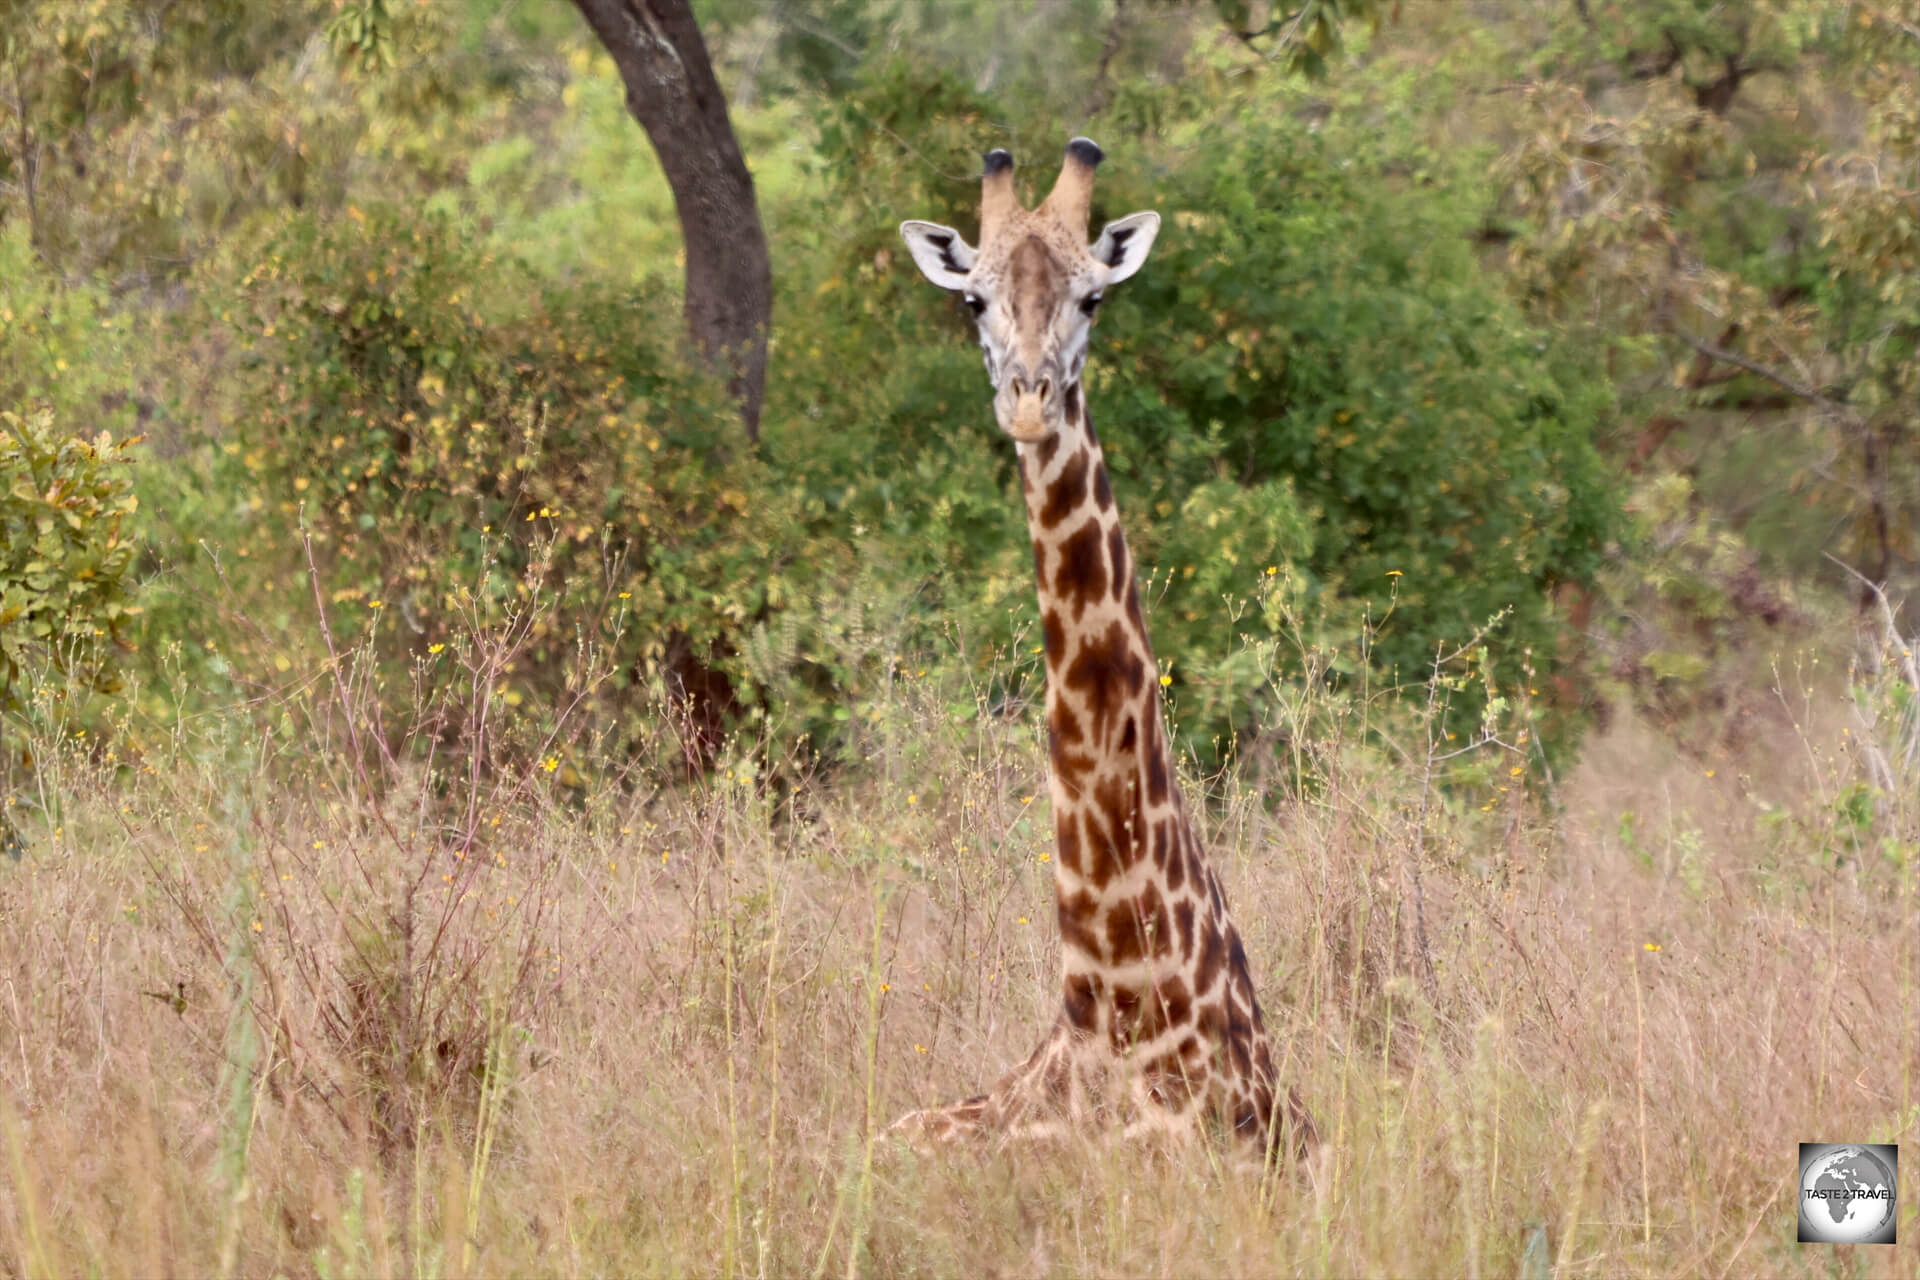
<point x="1158" y="1028"/>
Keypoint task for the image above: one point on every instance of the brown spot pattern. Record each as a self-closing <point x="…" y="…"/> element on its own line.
<point x="1171" y="859"/>
<point x="1057" y="1078"/>
<point x="1105" y="673"/>
<point x="1076" y="914"/>
<point x="1082" y="1001"/>
<point x="1066" y="834"/>
<point x="1067" y="493"/>
<point x="1212" y="957"/>
<point x="1126" y="935"/>
<point x="1053" y="634"/>
<point x="1082" y="574"/>
<point x="1183" y="921"/>
<point x="1119" y="573"/>
<point x="1157" y="773"/>
<point x="1070" y="767"/>
<point x="1109" y="843"/>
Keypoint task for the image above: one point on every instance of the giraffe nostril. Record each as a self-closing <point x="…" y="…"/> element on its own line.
<point x="1046" y="388"/>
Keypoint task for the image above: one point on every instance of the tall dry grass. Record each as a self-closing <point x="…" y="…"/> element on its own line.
<point x="283" y="1004"/>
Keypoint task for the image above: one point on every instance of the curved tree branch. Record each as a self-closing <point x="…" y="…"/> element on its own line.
<point x="1810" y="394"/>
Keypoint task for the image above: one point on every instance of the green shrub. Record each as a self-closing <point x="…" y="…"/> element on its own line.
<point x="1312" y="374"/>
<point x="468" y="446"/>
<point x="463" y="444"/>
<point x="66" y="555"/>
<point x="1309" y="322"/>
<point x="63" y="345"/>
<point x="1327" y="428"/>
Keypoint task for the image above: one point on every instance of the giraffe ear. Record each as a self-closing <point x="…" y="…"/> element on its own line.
<point x="942" y="256"/>
<point x="1124" y="245"/>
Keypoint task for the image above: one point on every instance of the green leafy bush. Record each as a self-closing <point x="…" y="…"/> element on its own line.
<point x="66" y="555"/>
<point x="462" y="443"/>
<point x="1327" y="428"/>
<point x="1312" y="375"/>
<point x="1309" y="322"/>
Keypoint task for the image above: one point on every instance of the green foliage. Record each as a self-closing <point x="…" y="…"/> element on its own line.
<point x="1058" y="61"/>
<point x="1701" y="593"/>
<point x="362" y="35"/>
<point x="1312" y="374"/>
<point x="107" y="110"/>
<point x="461" y="442"/>
<point x="1388" y="313"/>
<point x="1304" y="36"/>
<point x="66" y="553"/>
<point x="61" y="346"/>
<point x="1308" y="323"/>
<point x="136" y="138"/>
<point x="1699" y="39"/>
<point x="1319" y="414"/>
<point x="1751" y="261"/>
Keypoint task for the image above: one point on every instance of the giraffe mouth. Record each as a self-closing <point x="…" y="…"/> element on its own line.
<point x="1029" y="424"/>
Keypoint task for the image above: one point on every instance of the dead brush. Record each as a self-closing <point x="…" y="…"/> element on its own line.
<point x="272" y="1006"/>
<point x="386" y="912"/>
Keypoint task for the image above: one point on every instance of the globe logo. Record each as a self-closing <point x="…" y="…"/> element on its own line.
<point x="1847" y="1193"/>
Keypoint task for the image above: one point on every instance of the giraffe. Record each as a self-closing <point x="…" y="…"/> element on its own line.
<point x="1158" y="1029"/>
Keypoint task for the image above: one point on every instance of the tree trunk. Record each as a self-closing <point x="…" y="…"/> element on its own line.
<point x="672" y="92"/>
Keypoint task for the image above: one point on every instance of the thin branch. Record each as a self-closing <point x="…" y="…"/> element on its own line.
<point x="29" y="160"/>
<point x="819" y="32"/>
<point x="1774" y="376"/>
<point x="1102" y="87"/>
<point x="1291" y="25"/>
<point x="1908" y="663"/>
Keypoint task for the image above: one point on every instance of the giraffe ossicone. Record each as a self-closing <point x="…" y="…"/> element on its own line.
<point x="1158" y="1029"/>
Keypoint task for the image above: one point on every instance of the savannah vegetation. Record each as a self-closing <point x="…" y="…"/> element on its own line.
<point x="521" y="755"/>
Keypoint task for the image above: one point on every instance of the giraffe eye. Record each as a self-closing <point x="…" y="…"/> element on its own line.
<point x="976" y="303"/>
<point x="1090" y="304"/>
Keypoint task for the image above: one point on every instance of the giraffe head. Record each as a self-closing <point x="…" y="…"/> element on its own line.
<point x="1034" y="285"/>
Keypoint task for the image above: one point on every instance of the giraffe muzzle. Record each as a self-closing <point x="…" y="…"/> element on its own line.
<point x="1035" y="409"/>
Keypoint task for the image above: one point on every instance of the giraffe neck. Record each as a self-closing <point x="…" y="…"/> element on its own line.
<point x="1128" y="866"/>
<point x="1153" y="971"/>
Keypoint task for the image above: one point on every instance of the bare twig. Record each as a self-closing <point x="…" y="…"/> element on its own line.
<point x="1774" y="376"/>
<point x="1102" y="89"/>
<point x="29" y="159"/>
